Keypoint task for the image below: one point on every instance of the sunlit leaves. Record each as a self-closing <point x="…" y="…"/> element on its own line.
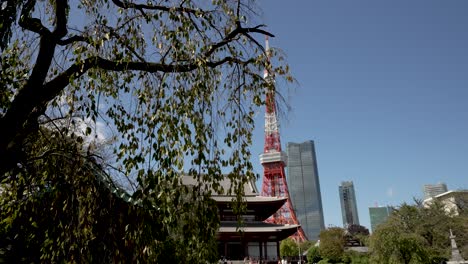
<point x="193" y="115"/>
<point x="13" y="74"/>
<point x="332" y="242"/>
<point x="417" y="234"/>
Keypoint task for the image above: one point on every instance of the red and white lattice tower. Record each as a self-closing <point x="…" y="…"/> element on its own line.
<point x="274" y="160"/>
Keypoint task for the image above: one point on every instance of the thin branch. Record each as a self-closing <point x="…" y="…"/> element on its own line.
<point x="255" y="41"/>
<point x="52" y="88"/>
<point x="238" y="30"/>
<point x="238" y="13"/>
<point x="141" y="7"/>
<point x="118" y="38"/>
<point x="75" y="38"/>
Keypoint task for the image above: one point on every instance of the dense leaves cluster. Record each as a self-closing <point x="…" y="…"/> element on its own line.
<point x="332" y="241"/>
<point x="419" y="234"/>
<point x="70" y="209"/>
<point x="172" y="85"/>
<point x="313" y="255"/>
<point x="334" y="246"/>
<point x="412" y="234"/>
<point x="291" y="249"/>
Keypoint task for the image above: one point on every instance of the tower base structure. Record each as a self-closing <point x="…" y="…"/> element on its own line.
<point x="274" y="185"/>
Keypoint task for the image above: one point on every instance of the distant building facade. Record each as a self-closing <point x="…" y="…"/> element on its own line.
<point x="349" y="210"/>
<point x="304" y="187"/>
<point x="431" y="190"/>
<point x="453" y="201"/>
<point x="379" y="215"/>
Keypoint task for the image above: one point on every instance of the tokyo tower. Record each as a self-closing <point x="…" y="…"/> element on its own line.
<point x="273" y="160"/>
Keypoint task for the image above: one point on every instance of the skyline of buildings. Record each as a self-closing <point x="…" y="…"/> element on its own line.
<point x="304" y="186"/>
<point x="348" y="203"/>
<point x="302" y="166"/>
<point x="431" y="190"/>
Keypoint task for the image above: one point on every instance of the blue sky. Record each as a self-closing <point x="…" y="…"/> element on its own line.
<point x="382" y="90"/>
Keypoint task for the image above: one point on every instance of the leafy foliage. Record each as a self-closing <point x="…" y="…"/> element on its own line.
<point x="313" y="255"/>
<point x="71" y="210"/>
<point x="306" y="245"/>
<point x="8" y="12"/>
<point x="353" y="257"/>
<point x="417" y="234"/>
<point x="332" y="242"/>
<point x="354" y="230"/>
<point x="176" y="83"/>
<point x="289" y="248"/>
<point x="356" y="234"/>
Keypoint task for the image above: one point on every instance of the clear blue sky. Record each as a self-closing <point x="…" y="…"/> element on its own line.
<point x="383" y="92"/>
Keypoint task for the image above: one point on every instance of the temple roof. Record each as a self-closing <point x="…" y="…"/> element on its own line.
<point x="256" y="231"/>
<point x="260" y="206"/>
<point x="249" y="199"/>
<point x="249" y="187"/>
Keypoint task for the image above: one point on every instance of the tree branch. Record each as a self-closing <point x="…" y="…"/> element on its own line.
<point x="238" y="30"/>
<point x="52" y="88"/>
<point x="22" y="116"/>
<point x="61" y="9"/>
<point x="29" y="23"/>
<point x="141" y="7"/>
<point x="75" y="38"/>
<point x="31" y="100"/>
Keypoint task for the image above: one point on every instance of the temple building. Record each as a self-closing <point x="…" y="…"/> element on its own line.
<point x="255" y="239"/>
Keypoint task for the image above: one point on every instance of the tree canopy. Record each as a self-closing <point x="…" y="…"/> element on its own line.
<point x="71" y="210"/>
<point x="332" y="242"/>
<point x="313" y="255"/>
<point x="172" y="85"/>
<point x="417" y="234"/>
<point x="289" y="248"/>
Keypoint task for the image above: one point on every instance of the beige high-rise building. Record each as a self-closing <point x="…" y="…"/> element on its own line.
<point x="431" y="190"/>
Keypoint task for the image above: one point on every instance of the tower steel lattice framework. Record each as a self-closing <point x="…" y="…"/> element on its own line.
<point x="273" y="160"/>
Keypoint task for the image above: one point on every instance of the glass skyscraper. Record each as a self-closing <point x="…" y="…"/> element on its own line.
<point x="348" y="204"/>
<point x="304" y="187"/>
<point x="379" y="215"/>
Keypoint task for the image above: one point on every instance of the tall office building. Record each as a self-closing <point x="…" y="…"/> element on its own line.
<point x="379" y="215"/>
<point x="304" y="187"/>
<point x="431" y="190"/>
<point x="348" y="204"/>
